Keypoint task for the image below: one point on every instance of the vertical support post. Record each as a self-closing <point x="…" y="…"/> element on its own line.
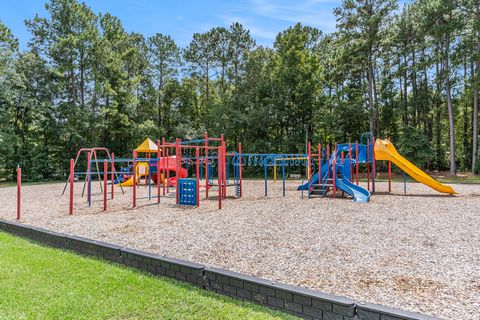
<point x="206" y="165"/>
<point x="89" y="178"/>
<point x="275" y="171"/>
<point x="389" y="176"/>
<point x="309" y="161"/>
<point x="404" y="183"/>
<point x="112" y="177"/>
<point x="178" y="162"/>
<point x="356" y="159"/>
<point x="350" y="157"/>
<point x="342" y="157"/>
<point x="158" y="171"/>
<point x="368" y="164"/>
<point x="240" y="166"/>
<point x="334" y="176"/>
<point x="134" y="187"/>
<point x="283" y="176"/>
<point x="220" y="179"/>
<point x="167" y="170"/>
<point x="265" y="177"/>
<point x="105" y="177"/>
<point x="149" y="177"/>
<point x="164" y="164"/>
<point x="197" y="174"/>
<point x="224" y="170"/>
<point x="72" y="176"/>
<point x="319" y="148"/>
<point x="328" y="161"/>
<point x="374" y="169"/>
<point x="19" y="192"/>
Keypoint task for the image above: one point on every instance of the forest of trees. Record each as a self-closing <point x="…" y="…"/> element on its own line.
<point x="409" y="72"/>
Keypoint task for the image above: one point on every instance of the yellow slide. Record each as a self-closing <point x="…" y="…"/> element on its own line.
<point x="142" y="171"/>
<point x="384" y="150"/>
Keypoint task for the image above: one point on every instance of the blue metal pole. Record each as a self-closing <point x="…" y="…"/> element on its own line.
<point x="283" y="176"/>
<point x="404" y="183"/>
<point x="227" y="169"/>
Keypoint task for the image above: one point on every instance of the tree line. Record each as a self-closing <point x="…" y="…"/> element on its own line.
<point x="410" y="73"/>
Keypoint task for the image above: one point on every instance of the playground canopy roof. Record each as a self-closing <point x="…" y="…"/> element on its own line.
<point x="147" y="146"/>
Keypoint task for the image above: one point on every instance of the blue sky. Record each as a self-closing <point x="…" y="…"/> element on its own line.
<point x="181" y="18"/>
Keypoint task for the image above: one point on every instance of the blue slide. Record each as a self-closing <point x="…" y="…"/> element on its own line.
<point x="306" y="185"/>
<point x="358" y="193"/>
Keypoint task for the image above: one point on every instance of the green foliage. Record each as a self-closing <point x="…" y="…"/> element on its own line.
<point x="414" y="146"/>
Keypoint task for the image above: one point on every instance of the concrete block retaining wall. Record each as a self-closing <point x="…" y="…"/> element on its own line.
<point x="302" y="302"/>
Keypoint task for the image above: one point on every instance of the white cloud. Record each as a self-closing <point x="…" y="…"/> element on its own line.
<point x="311" y="12"/>
<point x="255" y="30"/>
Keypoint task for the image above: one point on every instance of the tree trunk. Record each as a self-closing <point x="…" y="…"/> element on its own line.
<point x="465" y="134"/>
<point x="160" y="99"/>
<point x="207" y="93"/>
<point x="437" y="115"/>
<point x="377" y="108"/>
<point x="426" y="107"/>
<point x="82" y="79"/>
<point x="370" y="94"/>
<point x="415" y="120"/>
<point x="448" y="93"/>
<point x="405" y="90"/>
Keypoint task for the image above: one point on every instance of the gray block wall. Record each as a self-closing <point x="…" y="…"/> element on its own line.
<point x="299" y="301"/>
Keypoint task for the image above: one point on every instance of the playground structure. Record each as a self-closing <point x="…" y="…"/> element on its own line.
<point x="344" y="164"/>
<point x="183" y="165"/>
<point x="167" y="168"/>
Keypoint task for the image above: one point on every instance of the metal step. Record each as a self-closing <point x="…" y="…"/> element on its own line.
<point x="321" y="187"/>
<point x="319" y="192"/>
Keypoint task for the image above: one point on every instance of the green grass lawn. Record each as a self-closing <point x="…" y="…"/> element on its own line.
<point x="38" y="282"/>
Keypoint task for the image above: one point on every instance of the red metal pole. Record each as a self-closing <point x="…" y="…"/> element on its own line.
<point x="134" y="178"/>
<point x="167" y="170"/>
<point x="19" y="192"/>
<point x="158" y="171"/>
<point x="164" y="164"/>
<point x="112" y="177"/>
<point x="224" y="170"/>
<point x="206" y="165"/>
<point x="319" y="158"/>
<point x="374" y="169"/>
<point x="342" y="156"/>
<point x="334" y="174"/>
<point x="197" y="174"/>
<point x="72" y="172"/>
<point x="105" y="191"/>
<point x="309" y="161"/>
<point x="356" y="159"/>
<point x="178" y="159"/>
<point x="350" y="157"/>
<point x="240" y="166"/>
